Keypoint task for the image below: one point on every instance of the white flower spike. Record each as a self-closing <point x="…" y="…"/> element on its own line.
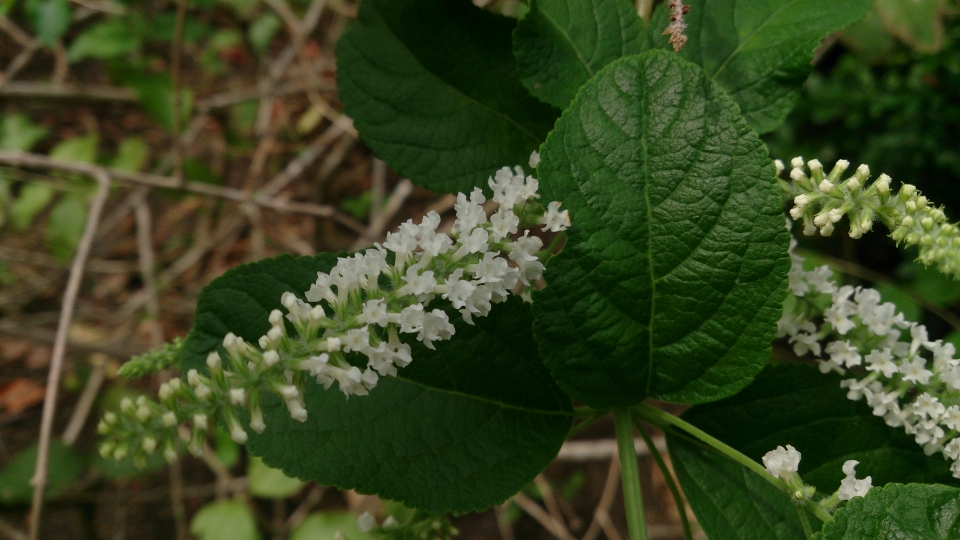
<point x="347" y="330"/>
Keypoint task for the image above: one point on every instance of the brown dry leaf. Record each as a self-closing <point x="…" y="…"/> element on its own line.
<point x="14" y="349"/>
<point x="20" y="395"/>
<point x="39" y="357"/>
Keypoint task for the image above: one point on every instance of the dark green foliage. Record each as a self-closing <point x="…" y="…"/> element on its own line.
<point x="673" y="273"/>
<point x="433" y="89"/>
<point x="460" y="429"/>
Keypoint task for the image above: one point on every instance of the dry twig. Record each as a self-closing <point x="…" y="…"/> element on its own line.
<point x="39" y="480"/>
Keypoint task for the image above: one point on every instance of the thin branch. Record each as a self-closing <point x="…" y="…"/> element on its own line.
<point x="550" y="501"/>
<point x="19" y="35"/>
<point x="607" y="497"/>
<point x="147" y="262"/>
<point x="44" y="90"/>
<point x="85" y="404"/>
<point x="603" y="449"/>
<point x="10" y="532"/>
<point x="543" y="518"/>
<point x="39" y="480"/>
<point x="176" y="59"/>
<point x="25" y="159"/>
<point x="48" y="338"/>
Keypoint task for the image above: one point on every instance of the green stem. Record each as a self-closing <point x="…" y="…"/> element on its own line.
<point x="575" y="430"/>
<point x="671" y="483"/>
<point x="630" y="474"/>
<point x="644" y="10"/>
<point x="657" y="416"/>
<point x="807" y="530"/>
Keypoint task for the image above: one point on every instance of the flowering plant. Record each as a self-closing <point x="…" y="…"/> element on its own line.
<point x="440" y="367"/>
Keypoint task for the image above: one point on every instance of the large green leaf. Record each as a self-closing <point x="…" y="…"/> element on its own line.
<point x="561" y="44"/>
<point x="730" y="501"/>
<point x="225" y="520"/>
<point x="895" y="512"/>
<point x="462" y="428"/>
<point x="433" y="89"/>
<point x="797" y="405"/>
<point x="671" y="280"/>
<point x="758" y="51"/>
<point x="64" y="466"/>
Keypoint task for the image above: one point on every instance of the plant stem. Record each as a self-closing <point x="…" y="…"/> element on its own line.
<point x="645" y="10"/>
<point x="657" y="416"/>
<point x="671" y="483"/>
<point x="630" y="474"/>
<point x="575" y="430"/>
<point x="807" y="530"/>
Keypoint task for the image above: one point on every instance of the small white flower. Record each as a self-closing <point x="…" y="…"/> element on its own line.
<point x="843" y="354"/>
<point x="782" y="462"/>
<point x="534" y="159"/>
<point x="850" y="487"/>
<point x="366" y="522"/>
<point x="915" y="371"/>
<point x="881" y="361"/>
<point x="554" y="220"/>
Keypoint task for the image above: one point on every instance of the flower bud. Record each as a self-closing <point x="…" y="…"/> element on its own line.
<point x="213" y="361"/>
<point x="127" y="406"/>
<point x="149" y="445"/>
<point x="797" y="162"/>
<point x="143" y="413"/>
<point x="270" y="358"/>
<point x="238" y="396"/>
<point x="200" y="421"/>
<point x="169" y="419"/>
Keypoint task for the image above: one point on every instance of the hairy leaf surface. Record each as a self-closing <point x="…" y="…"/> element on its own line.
<point x="797" y="405"/>
<point x="433" y="89"/>
<point x="758" y="51"/>
<point x="896" y="511"/>
<point x="672" y="276"/>
<point x="560" y="44"/>
<point x="462" y="428"/>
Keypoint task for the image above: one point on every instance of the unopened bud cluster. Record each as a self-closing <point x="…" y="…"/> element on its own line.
<point x="821" y="200"/>
<point x="359" y="309"/>
<point x="907" y="379"/>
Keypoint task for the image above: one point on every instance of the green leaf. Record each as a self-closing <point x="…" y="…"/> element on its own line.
<point x="895" y="512"/>
<point x="50" y="19"/>
<point x="759" y="52"/>
<point x="155" y="92"/>
<point x="64" y="467"/>
<point x="868" y="38"/>
<point x="796" y="404"/>
<point x="673" y="274"/>
<point x="918" y="23"/>
<point x="262" y="31"/>
<point x="18" y="132"/>
<point x="433" y="89"/>
<point x="462" y="428"/>
<point x="269" y="483"/>
<point x="31" y="200"/>
<point x="65" y="225"/>
<point x="112" y="38"/>
<point x="132" y="154"/>
<point x="224" y="520"/>
<point x="561" y="44"/>
<point x="323" y="525"/>
<point x="730" y="501"/>
<point x="80" y="149"/>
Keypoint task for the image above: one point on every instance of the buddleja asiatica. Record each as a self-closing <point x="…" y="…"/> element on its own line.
<point x="361" y="306"/>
